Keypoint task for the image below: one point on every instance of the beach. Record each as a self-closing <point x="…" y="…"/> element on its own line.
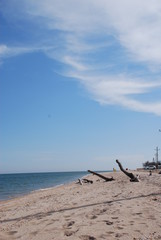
<point x="118" y="209"/>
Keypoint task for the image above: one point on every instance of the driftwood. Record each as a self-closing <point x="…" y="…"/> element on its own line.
<point x="130" y="175"/>
<point x="80" y="181"/>
<point x="87" y="181"/>
<point x="84" y="180"/>
<point x="101" y="176"/>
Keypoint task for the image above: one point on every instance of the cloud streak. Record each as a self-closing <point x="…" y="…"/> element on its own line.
<point x="6" y="51"/>
<point x="113" y="48"/>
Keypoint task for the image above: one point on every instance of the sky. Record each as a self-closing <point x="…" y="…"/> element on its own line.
<point x="80" y="84"/>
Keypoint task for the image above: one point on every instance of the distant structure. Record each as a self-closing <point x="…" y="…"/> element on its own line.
<point x="156" y="154"/>
<point x="155" y="164"/>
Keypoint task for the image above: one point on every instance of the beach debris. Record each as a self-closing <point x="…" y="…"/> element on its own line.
<point x="84" y="180"/>
<point x="87" y="181"/>
<point x="101" y="176"/>
<point x="132" y="177"/>
<point x="80" y="181"/>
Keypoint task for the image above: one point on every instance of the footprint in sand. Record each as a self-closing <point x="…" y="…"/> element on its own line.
<point x="87" y="237"/>
<point x="118" y="235"/>
<point x="69" y="224"/>
<point x="103" y="210"/>
<point x="120" y="228"/>
<point x="12" y="232"/>
<point x="68" y="233"/>
<point x="67" y="216"/>
<point x="99" y="212"/>
<point x="131" y="222"/>
<point x="151" y="217"/>
<point x="138" y="213"/>
<point x="114" y="217"/>
<point x="93" y="217"/>
<point x="34" y="233"/>
<point x="105" y="236"/>
<point x="108" y="222"/>
<point x="110" y="232"/>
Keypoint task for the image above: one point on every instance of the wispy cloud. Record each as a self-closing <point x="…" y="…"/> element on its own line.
<point x="122" y="90"/>
<point x="6" y="51"/>
<point x="112" y="47"/>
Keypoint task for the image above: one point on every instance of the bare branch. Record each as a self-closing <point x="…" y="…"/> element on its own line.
<point x="101" y="176"/>
<point x="130" y="175"/>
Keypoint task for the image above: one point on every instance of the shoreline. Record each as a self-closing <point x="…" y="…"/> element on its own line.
<point x="52" y="187"/>
<point x="118" y="209"/>
<point x="20" y="193"/>
<point x="18" y="196"/>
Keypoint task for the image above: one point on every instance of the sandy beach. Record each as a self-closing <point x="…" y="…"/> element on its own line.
<point x="118" y="209"/>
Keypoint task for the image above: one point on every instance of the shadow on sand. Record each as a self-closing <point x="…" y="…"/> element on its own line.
<point x="42" y="215"/>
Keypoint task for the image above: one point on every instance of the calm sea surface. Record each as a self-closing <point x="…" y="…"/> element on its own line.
<point x="13" y="185"/>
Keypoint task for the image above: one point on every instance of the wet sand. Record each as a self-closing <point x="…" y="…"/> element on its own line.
<point x="118" y="209"/>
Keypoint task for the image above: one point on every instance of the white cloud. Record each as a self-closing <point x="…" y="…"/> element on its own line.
<point x="121" y="90"/>
<point x="138" y="27"/>
<point x="124" y="35"/>
<point x="3" y="49"/>
<point x="6" y="51"/>
<point x="135" y="24"/>
<point x="74" y="63"/>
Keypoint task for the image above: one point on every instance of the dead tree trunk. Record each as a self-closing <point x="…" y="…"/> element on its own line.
<point x="130" y="175"/>
<point x="101" y="176"/>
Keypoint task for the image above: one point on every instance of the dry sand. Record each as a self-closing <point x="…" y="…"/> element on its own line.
<point x="103" y="210"/>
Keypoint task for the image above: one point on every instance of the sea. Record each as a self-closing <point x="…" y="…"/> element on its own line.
<point x="18" y="184"/>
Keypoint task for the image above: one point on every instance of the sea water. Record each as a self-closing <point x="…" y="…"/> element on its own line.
<point x="13" y="185"/>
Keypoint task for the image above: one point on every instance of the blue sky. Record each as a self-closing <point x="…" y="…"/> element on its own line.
<point x="80" y="84"/>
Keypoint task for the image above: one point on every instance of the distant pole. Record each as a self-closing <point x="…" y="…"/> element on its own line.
<point x="156" y="155"/>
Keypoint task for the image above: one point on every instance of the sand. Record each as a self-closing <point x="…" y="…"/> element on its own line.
<point x="103" y="210"/>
